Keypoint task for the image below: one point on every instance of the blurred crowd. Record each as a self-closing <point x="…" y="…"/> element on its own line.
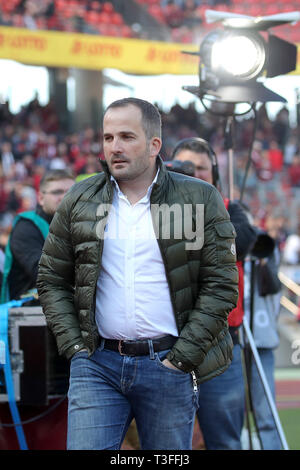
<point x="183" y="21"/>
<point x="89" y="16"/>
<point x="32" y="141"/>
<point x="101" y="17"/>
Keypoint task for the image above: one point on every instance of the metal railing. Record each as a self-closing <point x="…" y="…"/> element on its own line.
<point x="292" y="286"/>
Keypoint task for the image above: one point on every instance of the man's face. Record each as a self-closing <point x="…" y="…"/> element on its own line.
<point x="54" y="191"/>
<point x="202" y="162"/>
<point x="129" y="154"/>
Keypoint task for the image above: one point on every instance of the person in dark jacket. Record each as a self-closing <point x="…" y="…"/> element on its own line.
<point x="222" y="399"/>
<point x="28" y="235"/>
<point x="138" y="307"/>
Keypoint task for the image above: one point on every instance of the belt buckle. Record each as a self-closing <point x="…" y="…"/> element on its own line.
<point x="120" y="348"/>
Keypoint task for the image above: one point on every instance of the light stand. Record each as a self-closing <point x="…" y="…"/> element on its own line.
<point x="228" y="144"/>
<point x="265" y="384"/>
<point x="247" y="329"/>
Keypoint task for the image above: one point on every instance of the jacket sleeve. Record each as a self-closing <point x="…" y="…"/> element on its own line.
<point x="55" y="282"/>
<point x="217" y="289"/>
<point x="27" y="249"/>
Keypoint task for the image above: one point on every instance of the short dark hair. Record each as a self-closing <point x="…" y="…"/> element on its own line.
<point x="192" y="144"/>
<point x="199" y="145"/>
<point x="151" y="118"/>
<point x="56" y="175"/>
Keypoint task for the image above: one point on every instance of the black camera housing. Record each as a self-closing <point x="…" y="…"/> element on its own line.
<point x="186" y="167"/>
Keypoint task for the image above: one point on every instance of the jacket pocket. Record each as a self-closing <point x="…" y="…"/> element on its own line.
<point x="225" y="242"/>
<point x="217" y="359"/>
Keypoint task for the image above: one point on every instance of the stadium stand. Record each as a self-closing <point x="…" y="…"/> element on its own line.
<point x="32" y="141"/>
<point x="175" y="20"/>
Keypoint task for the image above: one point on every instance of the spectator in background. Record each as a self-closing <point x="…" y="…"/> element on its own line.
<point x="275" y="156"/>
<point x="7" y="158"/>
<point x="294" y="171"/>
<point x="24" y="248"/>
<point x="291" y="250"/>
<point x="291" y="148"/>
<point x="5" y="114"/>
<point x="281" y="127"/>
<point x="30" y="14"/>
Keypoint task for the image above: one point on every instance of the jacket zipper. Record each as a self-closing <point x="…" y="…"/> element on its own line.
<point x="195" y="385"/>
<point x="100" y="250"/>
<point x="169" y="285"/>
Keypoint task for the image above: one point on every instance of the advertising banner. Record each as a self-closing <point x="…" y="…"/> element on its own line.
<point x="60" y="49"/>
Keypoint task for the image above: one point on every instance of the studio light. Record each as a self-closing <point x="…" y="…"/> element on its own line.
<point x="234" y="61"/>
<point x="239" y="56"/>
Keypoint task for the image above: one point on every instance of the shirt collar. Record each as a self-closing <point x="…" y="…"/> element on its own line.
<point x="146" y="198"/>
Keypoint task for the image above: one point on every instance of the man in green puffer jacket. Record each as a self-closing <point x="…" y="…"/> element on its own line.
<point x="136" y="280"/>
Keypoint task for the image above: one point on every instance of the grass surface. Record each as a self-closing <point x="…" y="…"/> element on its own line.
<point x="290" y="421"/>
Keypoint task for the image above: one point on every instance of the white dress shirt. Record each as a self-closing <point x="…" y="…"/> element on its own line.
<point x="133" y="298"/>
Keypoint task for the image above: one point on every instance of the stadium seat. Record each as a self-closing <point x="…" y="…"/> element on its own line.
<point x="253" y="9"/>
<point x="99" y="12"/>
<point x="96" y="6"/>
<point x="157" y="13"/>
<point x="126" y="31"/>
<point x="116" y="19"/>
<point x="104" y="17"/>
<point x="107" y="7"/>
<point x="92" y="17"/>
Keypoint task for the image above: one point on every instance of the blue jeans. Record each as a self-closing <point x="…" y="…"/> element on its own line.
<point x="108" y="390"/>
<point x="264" y="418"/>
<point x="221" y="407"/>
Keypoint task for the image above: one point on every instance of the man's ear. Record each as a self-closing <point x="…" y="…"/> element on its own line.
<point x="155" y="146"/>
<point x="40" y="198"/>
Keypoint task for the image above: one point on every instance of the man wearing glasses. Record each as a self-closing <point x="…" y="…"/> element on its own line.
<point x="28" y="234"/>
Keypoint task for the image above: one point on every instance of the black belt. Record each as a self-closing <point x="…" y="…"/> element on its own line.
<point x="139" y="347"/>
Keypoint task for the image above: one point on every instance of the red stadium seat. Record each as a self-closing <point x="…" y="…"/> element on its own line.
<point x="222" y="7"/>
<point x="92" y="17"/>
<point x="271" y="9"/>
<point x="96" y="6"/>
<point x="253" y="10"/>
<point x="116" y="19"/>
<point x="157" y="12"/>
<point x="53" y="22"/>
<point x="17" y="20"/>
<point x="126" y="31"/>
<point x="107" y="7"/>
<point x="104" y="18"/>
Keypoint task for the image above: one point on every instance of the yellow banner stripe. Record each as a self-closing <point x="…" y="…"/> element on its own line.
<point x="60" y="49"/>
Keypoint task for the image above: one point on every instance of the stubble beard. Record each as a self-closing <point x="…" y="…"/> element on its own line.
<point x="132" y="170"/>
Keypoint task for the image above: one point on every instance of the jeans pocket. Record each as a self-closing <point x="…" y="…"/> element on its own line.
<point x="159" y="358"/>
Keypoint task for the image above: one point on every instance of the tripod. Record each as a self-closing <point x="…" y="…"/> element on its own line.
<point x="265" y="384"/>
<point x="246" y="328"/>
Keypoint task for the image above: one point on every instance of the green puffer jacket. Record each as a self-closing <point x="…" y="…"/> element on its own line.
<point x="203" y="283"/>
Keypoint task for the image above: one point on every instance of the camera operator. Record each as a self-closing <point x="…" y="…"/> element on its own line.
<point x="222" y="399"/>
